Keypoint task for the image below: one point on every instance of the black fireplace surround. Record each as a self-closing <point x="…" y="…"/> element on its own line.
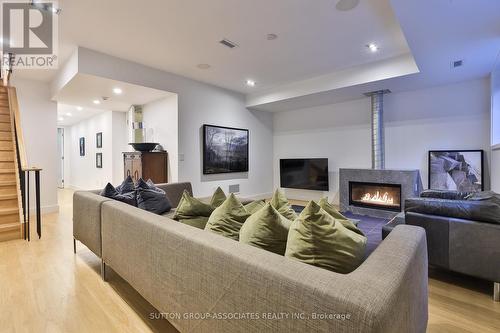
<point x="375" y="195"/>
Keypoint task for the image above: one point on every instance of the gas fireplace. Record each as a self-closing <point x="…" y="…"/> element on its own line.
<point x="375" y="195"/>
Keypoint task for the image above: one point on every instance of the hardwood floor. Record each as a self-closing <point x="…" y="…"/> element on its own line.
<point x="44" y="287"/>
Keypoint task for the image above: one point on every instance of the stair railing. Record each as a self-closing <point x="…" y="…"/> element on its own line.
<point x="23" y="171"/>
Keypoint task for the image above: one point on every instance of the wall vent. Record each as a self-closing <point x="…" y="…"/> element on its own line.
<point x="228" y="43"/>
<point x="234" y="188"/>
<point x="457" y="63"/>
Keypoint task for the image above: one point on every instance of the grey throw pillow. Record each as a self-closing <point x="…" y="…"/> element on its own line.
<point x="152" y="198"/>
<point x="127" y="197"/>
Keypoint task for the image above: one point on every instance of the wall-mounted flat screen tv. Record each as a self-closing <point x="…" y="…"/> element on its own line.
<point x="304" y="173"/>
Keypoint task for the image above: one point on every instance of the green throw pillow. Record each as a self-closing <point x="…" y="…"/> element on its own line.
<point x="218" y="198"/>
<point x="190" y="207"/>
<point x="328" y="207"/>
<point x="266" y="229"/>
<point x="198" y="222"/>
<point x="281" y="204"/>
<point x="227" y="219"/>
<point x="316" y="238"/>
<point x="254" y="206"/>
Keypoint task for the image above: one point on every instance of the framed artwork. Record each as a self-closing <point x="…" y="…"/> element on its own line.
<point x="82" y="146"/>
<point x="98" y="140"/>
<point x="98" y="160"/>
<point x="225" y="149"/>
<point x="456" y="170"/>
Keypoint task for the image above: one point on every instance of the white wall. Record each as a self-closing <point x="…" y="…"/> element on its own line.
<point x="162" y="117"/>
<point x="495" y="129"/>
<point x="119" y="145"/>
<point x="198" y="104"/>
<point x="38" y="120"/>
<point x="445" y="117"/>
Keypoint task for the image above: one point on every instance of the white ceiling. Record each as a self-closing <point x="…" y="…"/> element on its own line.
<point x="315" y="42"/>
<point x="68" y="115"/>
<point x="176" y="35"/>
<point x="83" y="89"/>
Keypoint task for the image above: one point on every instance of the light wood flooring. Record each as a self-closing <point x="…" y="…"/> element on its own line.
<point x="44" y="287"/>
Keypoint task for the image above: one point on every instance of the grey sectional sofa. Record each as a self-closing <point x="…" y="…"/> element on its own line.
<point x="462" y="235"/>
<point x="208" y="283"/>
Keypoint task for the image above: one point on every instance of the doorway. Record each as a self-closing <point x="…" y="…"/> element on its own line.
<point x="60" y="152"/>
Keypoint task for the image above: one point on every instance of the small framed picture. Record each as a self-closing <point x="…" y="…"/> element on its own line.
<point x="98" y="160"/>
<point x="98" y="140"/>
<point x="82" y="146"/>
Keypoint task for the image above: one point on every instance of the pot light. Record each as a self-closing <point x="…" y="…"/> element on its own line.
<point x="117" y="91"/>
<point x="251" y="83"/>
<point x="79" y="108"/>
<point x="271" y="36"/>
<point x="372" y="47"/>
<point x="60" y="118"/>
<point x="96" y="101"/>
<point x="69" y="114"/>
<point x="203" y="66"/>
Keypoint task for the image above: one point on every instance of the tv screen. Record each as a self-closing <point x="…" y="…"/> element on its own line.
<point x="304" y="173"/>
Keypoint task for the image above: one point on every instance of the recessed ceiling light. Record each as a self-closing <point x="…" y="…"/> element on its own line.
<point x="60" y="118"/>
<point x="372" y="47"/>
<point x="203" y="66"/>
<point x="69" y="114"/>
<point x="96" y="101"/>
<point x="117" y="91"/>
<point x="346" y="5"/>
<point x="271" y="36"/>
<point x="79" y="108"/>
<point x="251" y="83"/>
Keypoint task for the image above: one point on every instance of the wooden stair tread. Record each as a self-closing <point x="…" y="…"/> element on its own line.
<point x="10" y="227"/>
<point x="7" y="183"/>
<point x="8" y="196"/>
<point x="6" y="171"/>
<point x="9" y="211"/>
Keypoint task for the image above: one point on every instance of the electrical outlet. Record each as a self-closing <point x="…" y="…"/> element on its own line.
<point x="181" y="157"/>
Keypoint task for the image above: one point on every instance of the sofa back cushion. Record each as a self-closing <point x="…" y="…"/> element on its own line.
<point x="174" y="191"/>
<point x="316" y="238"/>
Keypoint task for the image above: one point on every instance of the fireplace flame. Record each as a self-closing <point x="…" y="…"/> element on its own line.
<point x="376" y="198"/>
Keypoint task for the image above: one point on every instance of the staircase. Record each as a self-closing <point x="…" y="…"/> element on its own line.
<point x="10" y="195"/>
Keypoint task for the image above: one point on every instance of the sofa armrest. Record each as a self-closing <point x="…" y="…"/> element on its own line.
<point x="184" y="270"/>
<point x="87" y="219"/>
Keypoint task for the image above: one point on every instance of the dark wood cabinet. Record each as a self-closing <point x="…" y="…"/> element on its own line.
<point x="146" y="165"/>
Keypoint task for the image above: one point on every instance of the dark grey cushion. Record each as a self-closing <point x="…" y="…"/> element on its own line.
<point x="484" y="209"/>
<point x="127" y="186"/>
<point x="152" y="198"/>
<point x="442" y="194"/>
<point x="127" y="197"/>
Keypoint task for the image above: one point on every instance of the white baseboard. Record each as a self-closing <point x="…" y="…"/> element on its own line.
<point x="260" y="196"/>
